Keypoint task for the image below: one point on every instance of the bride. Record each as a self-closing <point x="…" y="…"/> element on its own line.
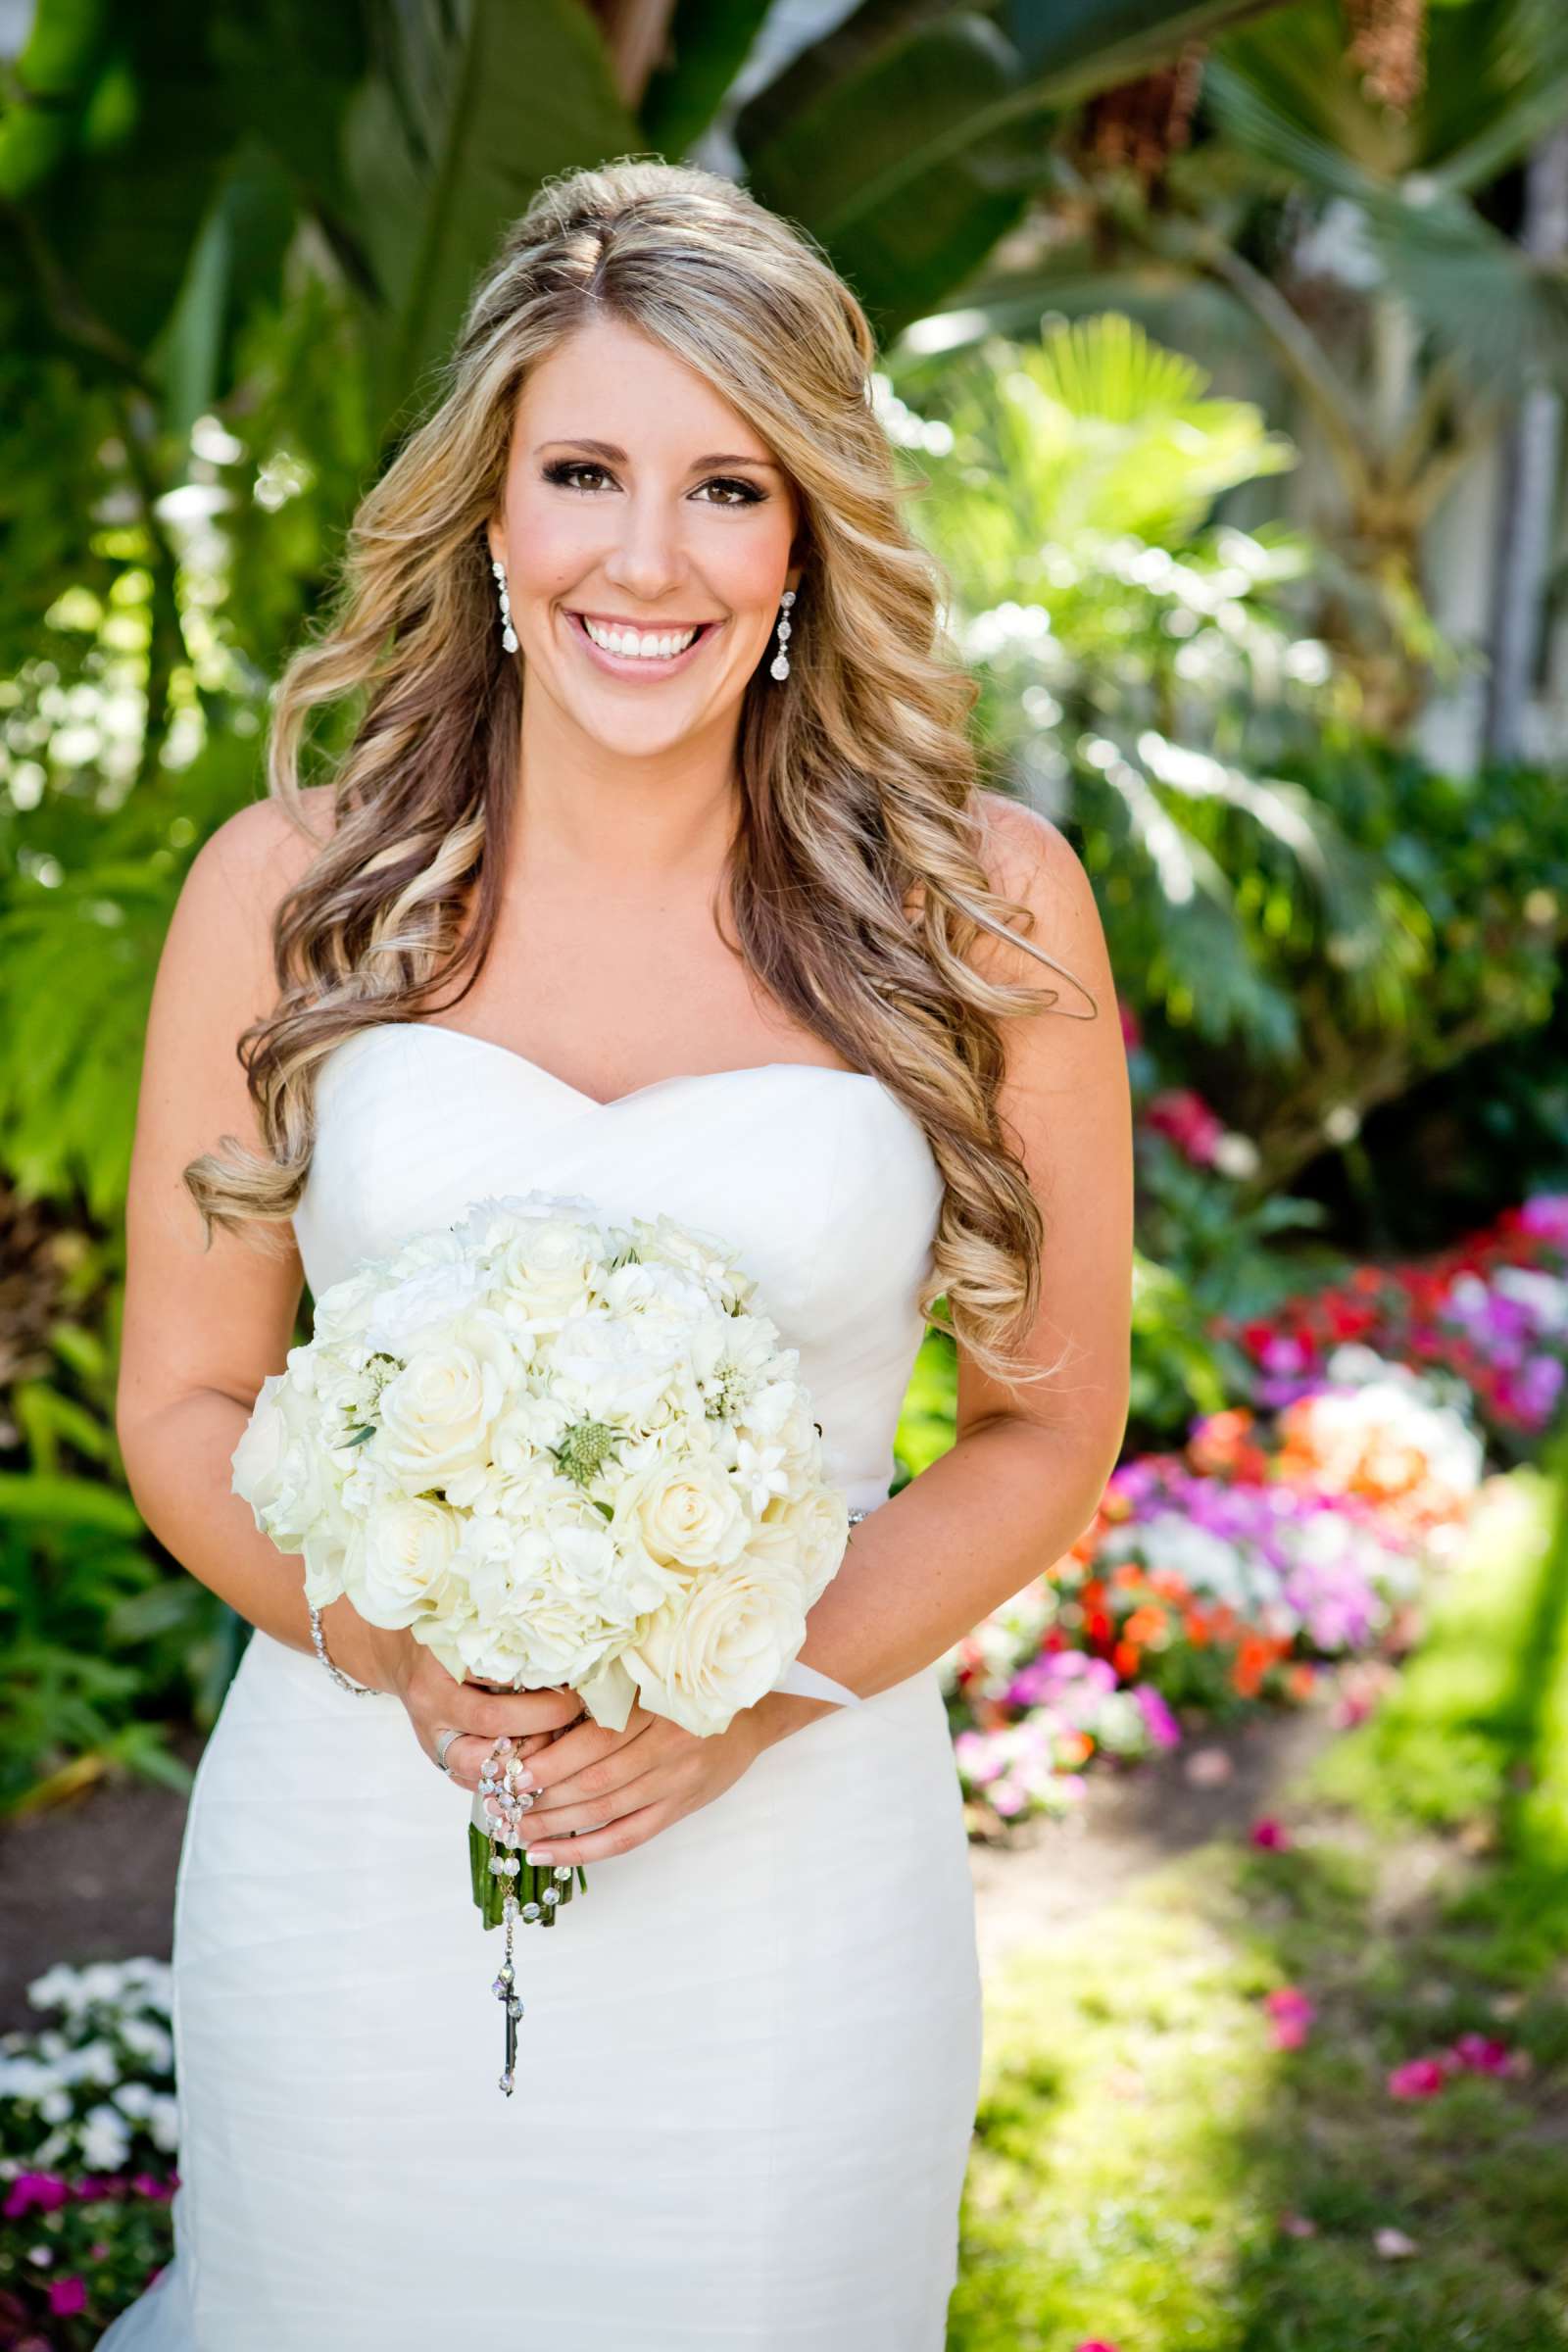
<point x="660" y="753"/>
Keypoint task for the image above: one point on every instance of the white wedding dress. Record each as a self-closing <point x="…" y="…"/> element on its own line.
<point x="749" y="2058"/>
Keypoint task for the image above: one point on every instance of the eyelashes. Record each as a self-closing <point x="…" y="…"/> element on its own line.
<point x="561" y="471"/>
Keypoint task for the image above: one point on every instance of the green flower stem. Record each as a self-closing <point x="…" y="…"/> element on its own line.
<point x="490" y="1893"/>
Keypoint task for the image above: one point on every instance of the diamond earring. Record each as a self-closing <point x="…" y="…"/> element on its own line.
<point x="508" y="635"/>
<point x="779" y="667"/>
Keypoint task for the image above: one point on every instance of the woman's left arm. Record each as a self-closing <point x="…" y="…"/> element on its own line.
<point x="1027" y="1470"/>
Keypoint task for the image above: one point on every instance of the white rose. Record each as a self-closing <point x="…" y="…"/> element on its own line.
<point x="345" y="1307"/>
<point x="685" y="1512"/>
<point x="332" y="1546"/>
<point x="436" y="1412"/>
<point x="279" y="1466"/>
<point x="409" y="1548"/>
<point x="719" y="1646"/>
<point x="544" y="1267"/>
<point x="810" y="1533"/>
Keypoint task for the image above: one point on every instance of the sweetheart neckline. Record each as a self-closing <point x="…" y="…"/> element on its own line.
<point x="593" y="1102"/>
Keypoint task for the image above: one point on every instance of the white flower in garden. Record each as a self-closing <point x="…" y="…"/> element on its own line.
<point x="721" y="1646"/>
<point x="95" y="2061"/>
<point x="25" y="2076"/>
<point x="55" y="2107"/>
<point x="105" y="2139"/>
<point x="149" y="2042"/>
<point x="55" y="1989"/>
<point x="436" y="1412"/>
<point x="135" y="2099"/>
<point x="164" y="2121"/>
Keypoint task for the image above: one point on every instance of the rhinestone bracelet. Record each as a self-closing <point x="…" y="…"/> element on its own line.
<point x="344" y="1683"/>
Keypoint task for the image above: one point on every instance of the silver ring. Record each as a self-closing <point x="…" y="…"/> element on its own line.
<point x="443" y="1743"/>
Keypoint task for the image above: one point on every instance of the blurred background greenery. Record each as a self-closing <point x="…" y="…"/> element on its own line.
<point x="1224" y="348"/>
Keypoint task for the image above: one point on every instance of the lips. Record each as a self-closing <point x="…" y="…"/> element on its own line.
<point x="631" y="665"/>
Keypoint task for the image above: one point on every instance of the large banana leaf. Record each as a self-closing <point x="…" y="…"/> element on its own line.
<point x="449" y="139"/>
<point x="910" y="139"/>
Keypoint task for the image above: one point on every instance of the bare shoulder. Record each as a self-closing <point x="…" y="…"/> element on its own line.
<point x="216" y="972"/>
<point x="1029" y="860"/>
<point x="263" y="849"/>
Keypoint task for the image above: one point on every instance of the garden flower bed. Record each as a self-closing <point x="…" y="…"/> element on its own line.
<point x="1296" y="1531"/>
<point x="88" y="2129"/>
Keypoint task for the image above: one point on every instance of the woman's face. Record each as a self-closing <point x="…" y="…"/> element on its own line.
<point x="639" y="507"/>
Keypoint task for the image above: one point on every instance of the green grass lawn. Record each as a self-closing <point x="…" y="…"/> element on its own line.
<point x="1139" y="2136"/>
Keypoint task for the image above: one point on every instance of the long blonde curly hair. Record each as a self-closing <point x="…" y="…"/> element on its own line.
<point x="856" y="876"/>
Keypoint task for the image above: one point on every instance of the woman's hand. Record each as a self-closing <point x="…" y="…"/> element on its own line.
<point x="437" y="1702"/>
<point x="617" y="1789"/>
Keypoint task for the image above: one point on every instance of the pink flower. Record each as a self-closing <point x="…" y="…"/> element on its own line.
<point x="1292" y="2012"/>
<point x="29" y="2190"/>
<point x="1482" y="2054"/>
<point x="1187" y="1122"/>
<point x="1419" y="2078"/>
<point x="67" y="2296"/>
<point x="1269" y="1831"/>
<point x="1094" y="2343"/>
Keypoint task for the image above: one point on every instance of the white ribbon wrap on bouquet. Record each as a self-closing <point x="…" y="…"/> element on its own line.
<point x="804" y="1682"/>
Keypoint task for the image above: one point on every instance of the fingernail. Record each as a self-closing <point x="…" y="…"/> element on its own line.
<point x="537" y="1853"/>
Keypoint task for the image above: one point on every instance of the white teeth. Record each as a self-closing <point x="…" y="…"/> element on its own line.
<point x="633" y="643"/>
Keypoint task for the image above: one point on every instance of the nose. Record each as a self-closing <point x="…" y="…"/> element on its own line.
<point x="647" y="559"/>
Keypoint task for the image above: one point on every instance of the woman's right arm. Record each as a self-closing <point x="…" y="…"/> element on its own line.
<point x="204" y="1326"/>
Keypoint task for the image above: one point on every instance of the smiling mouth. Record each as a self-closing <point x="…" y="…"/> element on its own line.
<point x="641" y="649"/>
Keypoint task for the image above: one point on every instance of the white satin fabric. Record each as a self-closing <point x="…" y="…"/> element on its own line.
<point x="749" y="2058"/>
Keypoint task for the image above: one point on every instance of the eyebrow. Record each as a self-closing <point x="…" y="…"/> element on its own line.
<point x="608" y="449"/>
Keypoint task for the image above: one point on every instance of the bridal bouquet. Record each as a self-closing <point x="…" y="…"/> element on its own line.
<point x="557" y="1451"/>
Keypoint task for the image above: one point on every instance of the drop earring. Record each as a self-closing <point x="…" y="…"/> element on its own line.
<point x="508" y="635"/>
<point x="779" y="667"/>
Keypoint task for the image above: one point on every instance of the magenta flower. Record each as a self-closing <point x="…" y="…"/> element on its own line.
<point x="29" y="2192"/>
<point x="1482" y="2054"/>
<point x="1267" y="1832"/>
<point x="1291" y="2011"/>
<point x="1163" y="1728"/>
<point x="1418" y="2079"/>
<point x="67" y="2296"/>
<point x="1546" y="1215"/>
